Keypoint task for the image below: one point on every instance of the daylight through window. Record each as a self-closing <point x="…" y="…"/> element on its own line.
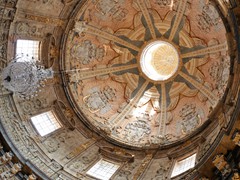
<point x="46" y="123"/>
<point x="184" y="165"/>
<point x="28" y="47"/>
<point x="103" y="170"/>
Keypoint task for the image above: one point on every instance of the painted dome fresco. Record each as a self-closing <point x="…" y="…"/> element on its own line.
<point x="119" y="89"/>
<point x="146" y="73"/>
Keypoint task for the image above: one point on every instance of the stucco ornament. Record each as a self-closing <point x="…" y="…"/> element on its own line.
<point x="136" y="130"/>
<point x="99" y="100"/>
<point x="86" y="52"/>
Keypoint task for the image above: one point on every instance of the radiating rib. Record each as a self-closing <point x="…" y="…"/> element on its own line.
<point x="181" y="8"/>
<point x="207" y="50"/>
<point x="205" y="91"/>
<point x="163" y="114"/>
<point x="142" y="5"/>
<point x="86" y="74"/>
<point x="129" y="107"/>
<point x="84" y="27"/>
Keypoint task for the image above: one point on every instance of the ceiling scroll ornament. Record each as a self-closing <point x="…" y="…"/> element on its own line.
<point x="113" y="9"/>
<point x="87" y="52"/>
<point x="52" y="144"/>
<point x="191" y="119"/>
<point x="31" y="30"/>
<point x="99" y="100"/>
<point x="83" y="162"/>
<point x="135" y="131"/>
<point x="208" y="19"/>
<point x="163" y="170"/>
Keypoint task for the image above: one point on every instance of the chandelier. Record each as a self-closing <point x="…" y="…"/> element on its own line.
<point x="24" y="77"/>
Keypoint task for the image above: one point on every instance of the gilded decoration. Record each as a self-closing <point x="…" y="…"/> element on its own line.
<point x="222" y="165"/>
<point x="106" y="59"/>
<point x="236" y="137"/>
<point x="116" y="154"/>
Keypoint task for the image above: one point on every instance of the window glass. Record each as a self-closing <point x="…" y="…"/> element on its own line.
<point x="103" y="170"/>
<point x="46" y="123"/>
<point x="28" y="47"/>
<point x="184" y="165"/>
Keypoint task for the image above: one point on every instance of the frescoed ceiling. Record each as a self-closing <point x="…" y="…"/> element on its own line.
<point x="139" y="89"/>
<point x="146" y="73"/>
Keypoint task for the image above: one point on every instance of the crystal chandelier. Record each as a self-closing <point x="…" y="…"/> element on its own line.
<point x="24" y="77"/>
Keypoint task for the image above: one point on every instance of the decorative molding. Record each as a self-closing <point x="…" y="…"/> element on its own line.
<point x="116" y="154"/>
<point x="78" y="150"/>
<point x="45" y="20"/>
<point x="143" y="166"/>
<point x="65" y="114"/>
<point x="49" y="51"/>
